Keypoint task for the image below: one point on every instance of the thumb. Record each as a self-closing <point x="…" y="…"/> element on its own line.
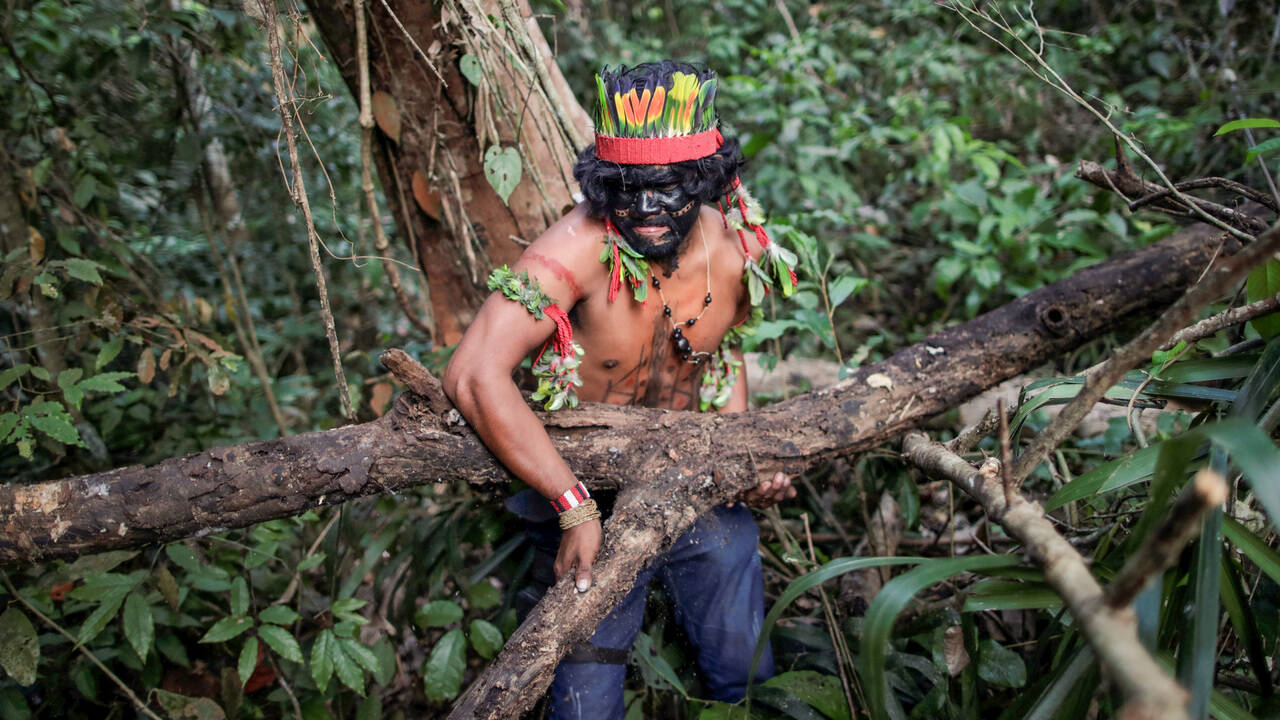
<point x="583" y="575"/>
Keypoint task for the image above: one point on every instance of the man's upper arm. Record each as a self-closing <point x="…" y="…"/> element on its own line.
<point x="505" y="331"/>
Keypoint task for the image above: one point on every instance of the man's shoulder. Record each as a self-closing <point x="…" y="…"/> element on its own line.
<point x="566" y="255"/>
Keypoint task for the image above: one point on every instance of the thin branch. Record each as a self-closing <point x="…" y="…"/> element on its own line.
<point x="298" y="190"/>
<point x="1160" y="550"/>
<point x="1149" y="691"/>
<point x="1209" y="182"/>
<point x="1215" y="283"/>
<point x="1227" y="318"/>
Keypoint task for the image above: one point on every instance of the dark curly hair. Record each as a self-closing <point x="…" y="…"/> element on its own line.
<point x="706" y="178"/>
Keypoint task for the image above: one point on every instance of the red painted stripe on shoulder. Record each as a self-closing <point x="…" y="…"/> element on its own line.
<point x="559" y="270"/>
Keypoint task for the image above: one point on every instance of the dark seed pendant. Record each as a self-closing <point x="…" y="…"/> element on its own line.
<point x="707" y="299"/>
<point x="677" y="333"/>
<point x="655" y="281"/>
<point x="691" y="321"/>
<point x="682" y="344"/>
<point x="666" y="311"/>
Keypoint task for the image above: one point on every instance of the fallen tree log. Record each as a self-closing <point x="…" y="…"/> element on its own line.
<point x="689" y="462"/>
<point x="423" y="440"/>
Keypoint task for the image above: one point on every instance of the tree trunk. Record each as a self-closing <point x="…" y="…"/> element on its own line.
<point x="436" y="125"/>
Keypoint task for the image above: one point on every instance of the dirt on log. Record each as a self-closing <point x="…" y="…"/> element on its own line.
<point x="423" y="441"/>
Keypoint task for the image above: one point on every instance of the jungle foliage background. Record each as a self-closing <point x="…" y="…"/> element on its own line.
<point x="920" y="172"/>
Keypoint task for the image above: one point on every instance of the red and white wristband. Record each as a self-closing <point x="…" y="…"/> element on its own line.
<point x="572" y="498"/>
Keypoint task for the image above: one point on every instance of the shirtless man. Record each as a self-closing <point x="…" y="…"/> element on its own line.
<point x="632" y="294"/>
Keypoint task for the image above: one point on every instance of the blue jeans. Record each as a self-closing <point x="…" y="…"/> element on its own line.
<point x="712" y="574"/>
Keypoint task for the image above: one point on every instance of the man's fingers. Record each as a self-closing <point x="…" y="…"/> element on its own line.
<point x="583" y="578"/>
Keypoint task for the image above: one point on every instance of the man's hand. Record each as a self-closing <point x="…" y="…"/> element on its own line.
<point x="774" y="490"/>
<point x="578" y="547"/>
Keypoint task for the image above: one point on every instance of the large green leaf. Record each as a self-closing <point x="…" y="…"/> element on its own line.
<point x="442" y="673"/>
<point x="877" y="626"/>
<point x="139" y="625"/>
<point x="1000" y="666"/>
<point x="1247" y="124"/>
<point x="486" y="638"/>
<point x="19" y="646"/>
<point x="1198" y="654"/>
<point x="282" y="641"/>
<point x="248" y="660"/>
<point x="227" y="628"/>
<point x="644" y="654"/>
<point x="437" y="613"/>
<point x="345" y="667"/>
<point x="1253" y="547"/>
<point x="322" y="660"/>
<point x="102" y="615"/>
<point x="821" y="691"/>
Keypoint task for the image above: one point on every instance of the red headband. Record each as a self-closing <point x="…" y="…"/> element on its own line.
<point x="659" y="150"/>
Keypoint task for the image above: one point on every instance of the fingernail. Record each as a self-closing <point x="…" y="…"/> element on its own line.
<point x="584" y="585"/>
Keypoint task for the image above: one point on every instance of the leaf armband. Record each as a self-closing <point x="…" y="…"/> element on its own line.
<point x="556" y="365"/>
<point x="718" y="380"/>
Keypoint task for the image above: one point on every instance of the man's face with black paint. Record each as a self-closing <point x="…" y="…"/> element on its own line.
<point x="652" y="210"/>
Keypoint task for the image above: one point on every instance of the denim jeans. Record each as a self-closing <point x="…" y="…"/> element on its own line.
<point x="712" y="574"/>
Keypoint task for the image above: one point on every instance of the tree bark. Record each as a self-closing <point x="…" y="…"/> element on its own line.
<point x="433" y="171"/>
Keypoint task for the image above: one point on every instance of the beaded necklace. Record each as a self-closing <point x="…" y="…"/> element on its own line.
<point x="687" y="353"/>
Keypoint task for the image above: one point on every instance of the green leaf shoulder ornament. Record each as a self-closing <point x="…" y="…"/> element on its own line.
<point x="556" y="366"/>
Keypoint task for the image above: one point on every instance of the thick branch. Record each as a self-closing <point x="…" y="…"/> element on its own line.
<point x="1111" y="632"/>
<point x="417" y="443"/>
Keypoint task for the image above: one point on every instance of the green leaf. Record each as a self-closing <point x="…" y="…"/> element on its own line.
<point x="101" y="615"/>
<point x="386" y="661"/>
<point x="88" y="565"/>
<point x="106" y="382"/>
<point x="1267" y="560"/>
<point x="8" y="375"/>
<point x="321" y="660"/>
<point x="821" y="691"/>
<point x="85" y="188"/>
<point x="278" y="615"/>
<point x="877" y="625"/>
<point x="645" y="654"/>
<point x="1000" y="666"/>
<point x="67" y="382"/>
<point x="248" y="660"/>
<point x="842" y="287"/>
<point x="486" y="638"/>
<point x="108" y="352"/>
<point x="281" y="640"/>
<point x="239" y="597"/>
<point x="58" y="427"/>
<point x="181" y="707"/>
<point x="1247" y="124"/>
<point x="8" y="421"/>
<point x="227" y="628"/>
<point x="363" y="656"/>
<point x="347" y="671"/>
<point x="1263" y="148"/>
<point x="370" y="709"/>
<point x="86" y="270"/>
<point x="40" y="373"/>
<point x="19" y="646"/>
<point x="442" y="672"/>
<point x="13" y="706"/>
<point x="437" y="613"/>
<point x="470" y="68"/>
<point x="139" y="625"/>
<point x="96" y="588"/>
<point x="483" y="595"/>
<point x="311" y="562"/>
<point x="1000" y="594"/>
<point x="183" y="556"/>
<point x="1264" y="282"/>
<point x="502" y="169"/>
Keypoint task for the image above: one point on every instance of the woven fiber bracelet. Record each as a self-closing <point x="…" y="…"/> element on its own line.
<point x="585" y="511"/>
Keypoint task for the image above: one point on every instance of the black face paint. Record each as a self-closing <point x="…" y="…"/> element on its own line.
<point x="653" y="211"/>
